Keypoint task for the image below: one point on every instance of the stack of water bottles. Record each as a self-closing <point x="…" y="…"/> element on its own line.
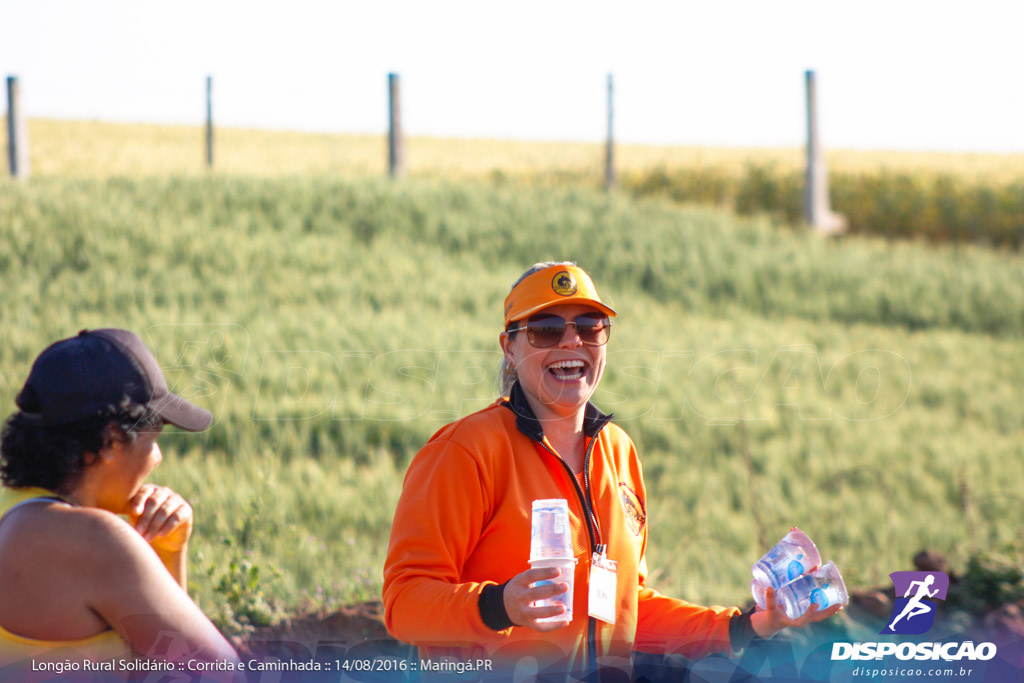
<point x="551" y="546"/>
<point x="793" y="568"/>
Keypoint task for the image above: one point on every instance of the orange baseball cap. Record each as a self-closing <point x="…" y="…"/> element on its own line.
<point x="550" y="287"/>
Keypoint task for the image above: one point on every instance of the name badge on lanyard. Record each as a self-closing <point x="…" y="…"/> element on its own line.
<point x="603" y="574"/>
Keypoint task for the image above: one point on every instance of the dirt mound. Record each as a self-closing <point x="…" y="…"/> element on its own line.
<point x="299" y="637"/>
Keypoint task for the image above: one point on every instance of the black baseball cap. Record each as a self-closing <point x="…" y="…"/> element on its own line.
<point x="84" y="376"/>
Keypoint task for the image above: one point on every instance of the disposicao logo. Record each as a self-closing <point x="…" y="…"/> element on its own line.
<point x="914" y="612"/>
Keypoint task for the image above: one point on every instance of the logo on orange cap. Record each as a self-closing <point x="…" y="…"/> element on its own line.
<point x="564" y="283"/>
<point x="552" y="286"/>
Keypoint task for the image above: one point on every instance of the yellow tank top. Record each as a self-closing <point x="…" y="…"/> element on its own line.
<point x="18" y="652"/>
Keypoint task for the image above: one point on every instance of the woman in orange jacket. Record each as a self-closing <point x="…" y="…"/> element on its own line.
<point x="457" y="579"/>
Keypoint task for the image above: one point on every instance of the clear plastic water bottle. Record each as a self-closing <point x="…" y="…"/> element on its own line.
<point x="823" y="587"/>
<point x="566" y="574"/>
<point x="787" y="560"/>
<point x="550" y="530"/>
<point x="551" y="546"/>
<point x="758" y="590"/>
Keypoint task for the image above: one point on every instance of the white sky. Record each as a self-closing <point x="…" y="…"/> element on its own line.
<point x="893" y="74"/>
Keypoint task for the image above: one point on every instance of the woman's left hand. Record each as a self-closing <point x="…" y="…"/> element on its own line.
<point x="162" y="517"/>
<point x="768" y="622"/>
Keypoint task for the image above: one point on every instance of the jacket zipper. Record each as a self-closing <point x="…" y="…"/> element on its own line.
<point x="593" y="530"/>
<point x="597" y="543"/>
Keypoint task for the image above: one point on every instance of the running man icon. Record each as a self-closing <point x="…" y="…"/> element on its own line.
<point x="915" y="588"/>
<point x="914" y="607"/>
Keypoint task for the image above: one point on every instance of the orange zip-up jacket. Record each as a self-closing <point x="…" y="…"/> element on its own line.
<point x="462" y="529"/>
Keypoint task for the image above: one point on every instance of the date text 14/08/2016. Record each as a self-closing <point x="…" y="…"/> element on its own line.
<point x="347" y="665"/>
<point x="444" y="665"/>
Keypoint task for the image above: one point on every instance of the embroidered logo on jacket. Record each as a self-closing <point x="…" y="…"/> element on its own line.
<point x="636" y="516"/>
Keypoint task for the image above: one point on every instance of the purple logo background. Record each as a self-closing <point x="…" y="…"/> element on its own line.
<point x="914" y="608"/>
<point x="901" y="582"/>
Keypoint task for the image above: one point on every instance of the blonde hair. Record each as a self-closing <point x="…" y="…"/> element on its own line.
<point x="507" y="375"/>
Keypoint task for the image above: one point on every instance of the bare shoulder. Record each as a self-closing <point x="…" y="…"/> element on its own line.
<point x="59" y="561"/>
<point x="89" y="536"/>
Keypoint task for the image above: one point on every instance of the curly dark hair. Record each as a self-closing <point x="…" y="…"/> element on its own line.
<point x="54" y="457"/>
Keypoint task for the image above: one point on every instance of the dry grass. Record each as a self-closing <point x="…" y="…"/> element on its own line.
<point x="93" y="148"/>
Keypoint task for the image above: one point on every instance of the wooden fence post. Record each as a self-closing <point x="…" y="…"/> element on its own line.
<point x="816" y="202"/>
<point x="609" y="154"/>
<point x="209" y="122"/>
<point x="396" y="145"/>
<point x="17" y="132"/>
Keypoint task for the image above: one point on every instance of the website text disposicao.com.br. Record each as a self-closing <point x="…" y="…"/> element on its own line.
<point x="949" y="652"/>
<point x="900" y="672"/>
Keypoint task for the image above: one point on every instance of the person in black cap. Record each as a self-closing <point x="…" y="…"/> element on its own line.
<point x="78" y="581"/>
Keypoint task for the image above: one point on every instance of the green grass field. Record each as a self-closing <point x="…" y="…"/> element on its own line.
<point x="865" y="391"/>
<point x="938" y="197"/>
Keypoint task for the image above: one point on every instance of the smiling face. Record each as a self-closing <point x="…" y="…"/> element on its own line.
<point x="558" y="381"/>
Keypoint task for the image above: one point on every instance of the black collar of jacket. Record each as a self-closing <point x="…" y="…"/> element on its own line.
<point x="593" y="419"/>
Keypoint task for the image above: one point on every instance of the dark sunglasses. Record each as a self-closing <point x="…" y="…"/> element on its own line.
<point x="545" y="331"/>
